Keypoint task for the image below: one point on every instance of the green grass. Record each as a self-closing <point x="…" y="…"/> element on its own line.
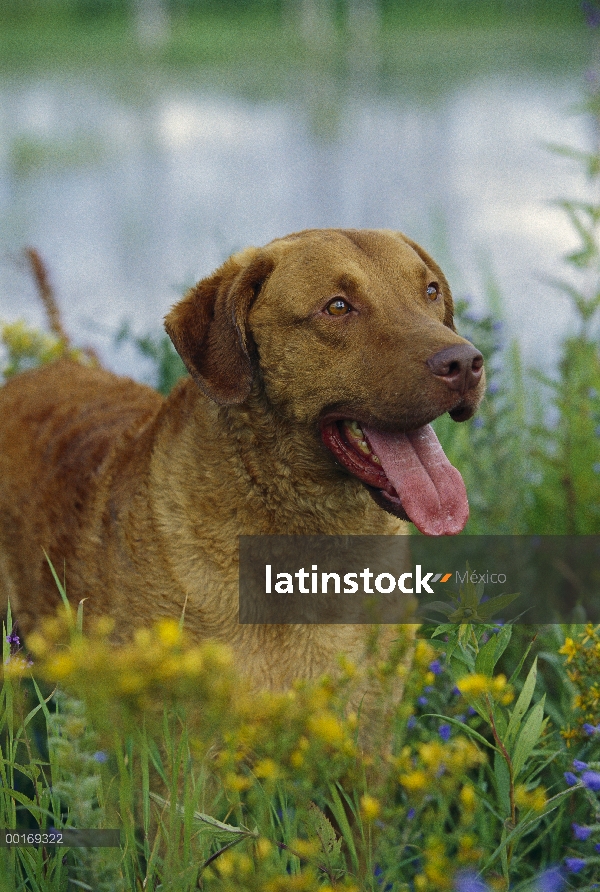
<point x="259" y="54"/>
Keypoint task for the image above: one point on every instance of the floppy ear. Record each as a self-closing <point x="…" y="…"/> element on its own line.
<point x="208" y="327"/>
<point x="426" y="258"/>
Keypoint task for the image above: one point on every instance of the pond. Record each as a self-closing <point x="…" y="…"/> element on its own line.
<point x="132" y="196"/>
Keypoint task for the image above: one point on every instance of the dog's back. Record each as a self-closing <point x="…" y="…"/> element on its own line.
<point x="60" y="424"/>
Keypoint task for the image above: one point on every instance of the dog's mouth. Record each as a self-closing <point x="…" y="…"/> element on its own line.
<point x="407" y="474"/>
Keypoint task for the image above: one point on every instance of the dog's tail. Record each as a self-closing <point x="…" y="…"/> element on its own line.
<point x="46" y="293"/>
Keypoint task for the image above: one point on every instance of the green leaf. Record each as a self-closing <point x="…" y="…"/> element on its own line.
<point x="529" y="736"/>
<point x="487" y="610"/>
<point x="521" y="706"/>
<point x="502" y="778"/>
<point x="491" y="652"/>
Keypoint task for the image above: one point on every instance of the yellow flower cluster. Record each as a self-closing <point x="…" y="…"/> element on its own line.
<point x="530" y="800"/>
<point x="26" y="348"/>
<point x="478" y="685"/>
<point x="583" y="669"/>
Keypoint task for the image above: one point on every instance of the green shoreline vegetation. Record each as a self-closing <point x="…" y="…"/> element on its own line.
<point x="258" y="47"/>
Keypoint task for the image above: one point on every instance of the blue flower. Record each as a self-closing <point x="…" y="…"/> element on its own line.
<point x="478" y="422"/>
<point x="550" y="881"/>
<point x="591" y="780"/>
<point x="574" y="865"/>
<point x="422" y="701"/>
<point x="412" y="721"/>
<point x="13" y="639"/>
<point x="469" y="882"/>
<point x="596" y="467"/>
<point x="579" y="766"/>
<point x="571" y="778"/>
<point x="100" y="756"/>
<point x="591" y="13"/>
<point x="445" y="731"/>
<point x="580" y="832"/>
<point x="436" y="667"/>
<point x="410" y="814"/>
<point x="591" y="729"/>
<point x="493" y="387"/>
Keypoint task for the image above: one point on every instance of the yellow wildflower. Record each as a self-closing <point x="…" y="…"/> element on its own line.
<point x="327" y="727"/>
<point x="237" y="783"/>
<point x="474" y="685"/>
<point x="370" y="807"/>
<point x="37" y="644"/>
<point x="267" y="769"/>
<point x="414" y="781"/>
<point x="433" y="754"/>
<point x="263" y="847"/>
<point x="169" y="632"/>
<point x="60" y="666"/>
<point x="468" y="798"/>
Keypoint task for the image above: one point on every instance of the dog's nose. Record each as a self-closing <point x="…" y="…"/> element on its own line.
<point x="460" y="366"/>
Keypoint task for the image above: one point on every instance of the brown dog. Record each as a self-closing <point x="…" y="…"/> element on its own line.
<point x="316" y="365"/>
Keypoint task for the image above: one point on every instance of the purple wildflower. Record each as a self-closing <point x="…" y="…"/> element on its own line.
<point x="591" y="13"/>
<point x="444" y="731"/>
<point x="597" y="847"/>
<point x="410" y="814"/>
<point x="469" y="882"/>
<point x="14" y="641"/>
<point x="571" y="778"/>
<point x="550" y="881"/>
<point x="591" y="780"/>
<point x="436" y="667"/>
<point x="581" y="833"/>
<point x="574" y="865"/>
<point x="579" y="766"/>
<point x="591" y="729"/>
<point x="422" y="701"/>
<point x="412" y="721"/>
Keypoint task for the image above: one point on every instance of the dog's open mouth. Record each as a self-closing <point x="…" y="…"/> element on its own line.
<point x="408" y="473"/>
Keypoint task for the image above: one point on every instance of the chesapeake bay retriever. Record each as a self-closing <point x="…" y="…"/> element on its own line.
<point x="316" y="364"/>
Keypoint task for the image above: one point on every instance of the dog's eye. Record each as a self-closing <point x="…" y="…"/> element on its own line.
<point x="433" y="291"/>
<point x="338" y="307"/>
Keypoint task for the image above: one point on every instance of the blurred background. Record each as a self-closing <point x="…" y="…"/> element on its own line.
<point x="142" y="141"/>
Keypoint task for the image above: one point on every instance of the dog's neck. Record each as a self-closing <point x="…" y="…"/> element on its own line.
<point x="273" y="476"/>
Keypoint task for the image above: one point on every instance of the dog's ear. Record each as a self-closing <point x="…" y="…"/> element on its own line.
<point x="208" y="327"/>
<point x="427" y="259"/>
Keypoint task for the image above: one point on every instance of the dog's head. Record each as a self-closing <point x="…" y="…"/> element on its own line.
<point x="350" y="334"/>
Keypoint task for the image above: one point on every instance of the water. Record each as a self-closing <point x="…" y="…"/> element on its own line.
<point x="131" y="198"/>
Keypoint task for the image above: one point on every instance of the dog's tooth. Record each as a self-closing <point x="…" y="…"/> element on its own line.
<point x="376" y="459"/>
<point x="364" y="447"/>
<point x="354" y="429"/>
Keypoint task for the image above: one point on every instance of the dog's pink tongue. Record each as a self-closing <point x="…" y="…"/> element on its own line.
<point x="431" y="490"/>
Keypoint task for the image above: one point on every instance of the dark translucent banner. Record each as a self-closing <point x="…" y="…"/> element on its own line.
<point x="413" y="579"/>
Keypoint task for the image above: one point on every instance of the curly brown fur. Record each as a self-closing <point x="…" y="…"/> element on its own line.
<point x="142" y="499"/>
